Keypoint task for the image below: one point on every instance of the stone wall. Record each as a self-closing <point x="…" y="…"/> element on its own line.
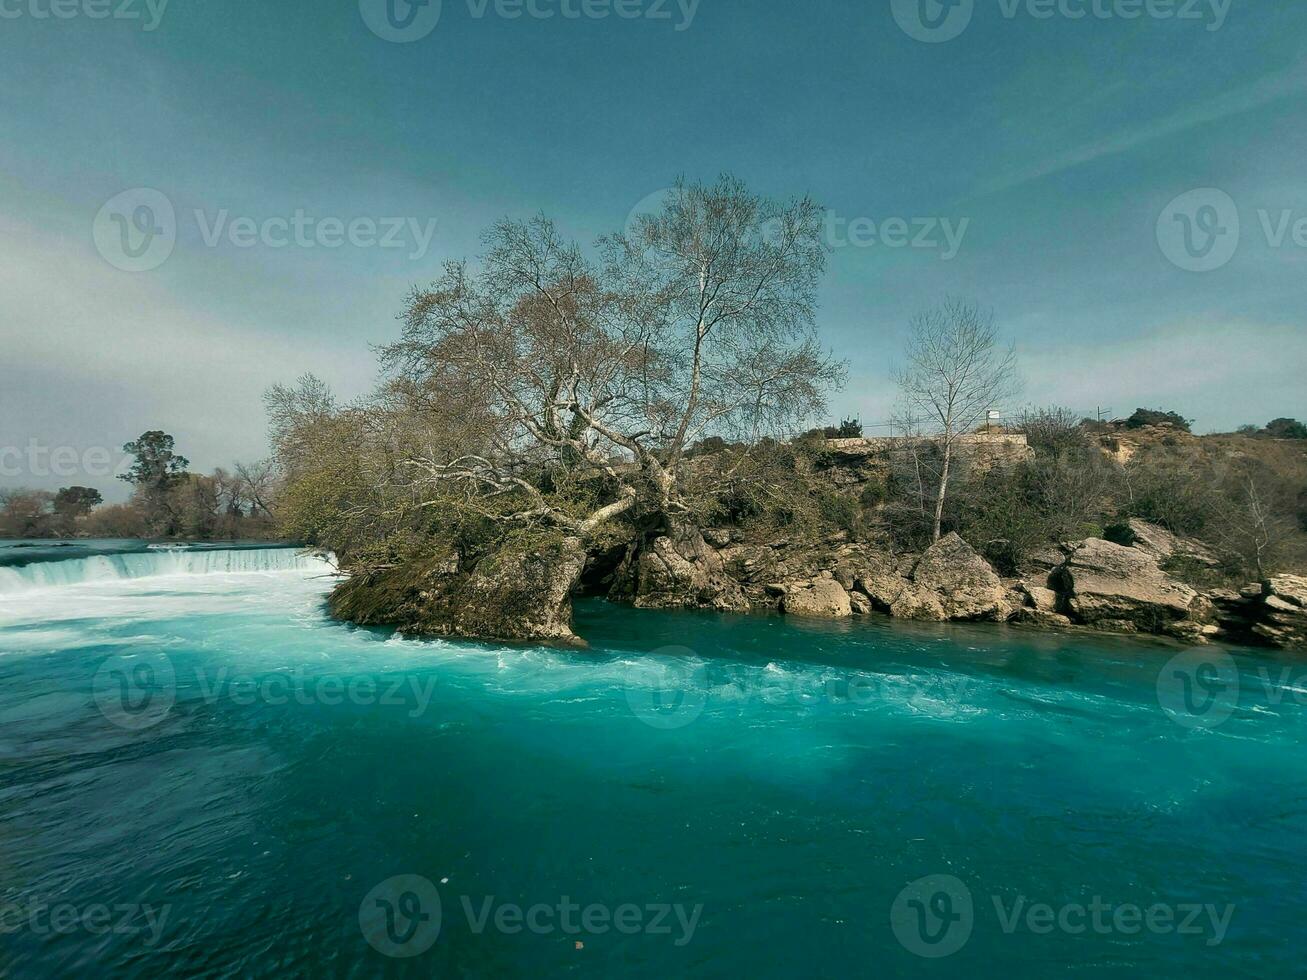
<point x="992" y="447"/>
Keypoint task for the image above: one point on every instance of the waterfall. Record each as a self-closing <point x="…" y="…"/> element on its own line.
<point x="112" y="568"/>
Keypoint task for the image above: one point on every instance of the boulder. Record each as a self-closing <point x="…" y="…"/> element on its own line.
<point x="964" y="584"/>
<point x="1044" y="618"/>
<point x="1160" y="544"/>
<point x="914" y="603"/>
<point x="1282" y="616"/>
<point x="1111" y="587"/>
<point x="681" y="572"/>
<point x="823" y="597"/>
<point x="522" y="592"/>
<point x="883" y="586"/>
<point x="513" y="595"/>
<point x="860" y="604"/>
<point x="1039" y="597"/>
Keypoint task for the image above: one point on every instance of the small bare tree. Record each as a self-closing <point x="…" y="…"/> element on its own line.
<point x="955" y="373"/>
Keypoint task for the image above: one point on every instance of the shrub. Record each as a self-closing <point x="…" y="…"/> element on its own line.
<point x="1286" y="429"/>
<point x="1156" y="416"/>
<point x="1050" y="431"/>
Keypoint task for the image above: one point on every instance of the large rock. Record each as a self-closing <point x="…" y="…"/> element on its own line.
<point x="823" y="597"/>
<point x="1283" y="614"/>
<point x="889" y="592"/>
<point x="681" y="572"/>
<point x="962" y="581"/>
<point x="1117" y="588"/>
<point x="520" y="593"/>
<point x="1160" y="544"/>
<point x="512" y="595"/>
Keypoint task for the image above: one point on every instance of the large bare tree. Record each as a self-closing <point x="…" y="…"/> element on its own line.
<point x="954" y="373"/>
<point x="547" y="367"/>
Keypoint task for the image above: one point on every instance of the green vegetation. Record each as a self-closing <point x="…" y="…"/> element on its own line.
<point x="167" y="501"/>
<point x="1156" y="416"/>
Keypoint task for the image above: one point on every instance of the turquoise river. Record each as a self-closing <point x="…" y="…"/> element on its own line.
<point x="202" y="774"/>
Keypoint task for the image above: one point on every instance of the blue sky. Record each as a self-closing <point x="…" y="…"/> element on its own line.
<point x="1050" y="146"/>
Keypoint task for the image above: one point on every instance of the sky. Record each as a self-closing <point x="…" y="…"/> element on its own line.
<point x="201" y="199"/>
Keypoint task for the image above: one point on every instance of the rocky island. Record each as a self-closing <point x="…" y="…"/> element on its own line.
<point x="627" y="421"/>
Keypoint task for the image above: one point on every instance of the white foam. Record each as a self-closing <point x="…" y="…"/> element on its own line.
<point x="117" y="568"/>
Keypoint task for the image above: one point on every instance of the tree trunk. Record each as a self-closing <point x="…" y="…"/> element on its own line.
<point x="943" y="488"/>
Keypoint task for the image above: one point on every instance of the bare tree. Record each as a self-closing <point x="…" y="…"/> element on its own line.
<point x="1252" y="525"/>
<point x="955" y="373"/>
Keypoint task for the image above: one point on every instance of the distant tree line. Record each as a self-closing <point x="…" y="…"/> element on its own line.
<point x="168" y="501"/>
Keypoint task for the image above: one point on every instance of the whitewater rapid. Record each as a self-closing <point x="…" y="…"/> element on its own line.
<point x="158" y="563"/>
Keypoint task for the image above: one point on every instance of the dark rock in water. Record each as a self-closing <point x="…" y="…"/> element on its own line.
<point x="519" y="593"/>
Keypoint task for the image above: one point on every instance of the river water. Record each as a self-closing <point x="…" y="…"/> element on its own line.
<point x="200" y="772"/>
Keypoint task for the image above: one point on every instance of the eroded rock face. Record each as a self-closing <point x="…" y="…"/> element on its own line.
<point x="518" y="596"/>
<point x="678" y="573"/>
<point x="1283" y="614"/>
<point x="964" y="584"/>
<point x="823" y="597"/>
<point x="1160" y="544"/>
<point x="520" y="593"/>
<point x="1121" y="589"/>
